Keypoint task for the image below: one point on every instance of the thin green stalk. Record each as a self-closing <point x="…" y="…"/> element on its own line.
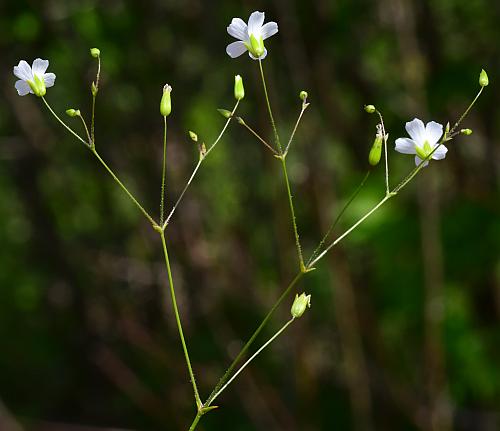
<point x="466" y="111"/>
<point x="94" y="96"/>
<point x="86" y="129"/>
<point x="253" y="357"/>
<point x="130" y="195"/>
<point x="164" y="169"/>
<point x="195" y="170"/>
<point x="69" y="129"/>
<point x="178" y="321"/>
<point x="292" y="212"/>
<point x="247" y="345"/>
<point x="195" y="421"/>
<point x="304" y="107"/>
<point x="385" y="137"/>
<point x="339" y="216"/>
<point x="253" y="132"/>
<point x="275" y="130"/>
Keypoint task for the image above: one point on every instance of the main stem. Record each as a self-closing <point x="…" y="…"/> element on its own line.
<point x="178" y="320"/>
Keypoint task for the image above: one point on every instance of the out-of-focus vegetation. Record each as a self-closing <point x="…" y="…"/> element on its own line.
<point x="404" y="329"/>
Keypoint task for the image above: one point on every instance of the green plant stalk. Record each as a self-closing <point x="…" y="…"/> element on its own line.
<point x="276" y="335"/>
<point x="385" y="137"/>
<point x="195" y="170"/>
<point x="92" y="124"/>
<point x="178" y="321"/>
<point x="164" y="169"/>
<point x="253" y="132"/>
<point x="466" y="112"/>
<point x="304" y="107"/>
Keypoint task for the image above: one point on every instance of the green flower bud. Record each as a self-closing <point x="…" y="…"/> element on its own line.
<point x="73" y="112"/>
<point x="376" y="150"/>
<point x="466" y="132"/>
<point x="483" y="78"/>
<point x="300" y="304"/>
<point x="370" y="109"/>
<point x="303" y="95"/>
<point x="166" y="103"/>
<point x="95" y="52"/>
<point x="94" y="89"/>
<point x="239" y="90"/>
<point x="225" y="113"/>
<point x="193" y="136"/>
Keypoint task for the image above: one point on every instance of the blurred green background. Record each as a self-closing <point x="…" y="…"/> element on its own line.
<point x="403" y="333"/>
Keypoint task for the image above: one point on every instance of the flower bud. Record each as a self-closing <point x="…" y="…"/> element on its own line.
<point x="225" y="113"/>
<point x="466" y="132"/>
<point x="370" y="109"/>
<point x="483" y="78"/>
<point x="303" y="95"/>
<point x="166" y="103"/>
<point x="95" y="52"/>
<point x="300" y="304"/>
<point x="73" y="112"/>
<point x="376" y="150"/>
<point x="239" y="90"/>
<point x="94" y="89"/>
<point x="193" y="136"/>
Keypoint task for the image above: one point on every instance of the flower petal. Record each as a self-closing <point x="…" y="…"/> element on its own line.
<point x="418" y="160"/>
<point x="440" y="153"/>
<point x="22" y="88"/>
<point x="256" y="58"/>
<point x="269" y="29"/>
<point x="238" y="29"/>
<point x="433" y="131"/>
<point x="23" y="71"/>
<point x="40" y="66"/>
<point x="255" y="23"/>
<point x="405" y="146"/>
<point x="235" y="49"/>
<point x="416" y="130"/>
<point x="49" y="79"/>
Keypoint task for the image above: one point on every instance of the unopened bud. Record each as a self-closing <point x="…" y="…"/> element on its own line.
<point x="239" y="90"/>
<point x="376" y="150"/>
<point x="166" y="102"/>
<point x="466" y="132"/>
<point x="300" y="304"/>
<point x="483" y="78"/>
<point x="73" y="112"/>
<point x="370" y="109"/>
<point x="94" y="89"/>
<point x="193" y="136"/>
<point x="95" y="52"/>
<point x="303" y="95"/>
<point x="225" y="113"/>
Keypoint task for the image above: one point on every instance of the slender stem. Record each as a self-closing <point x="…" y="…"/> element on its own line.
<point x="94" y="95"/>
<point x="69" y="129"/>
<point x="466" y="111"/>
<point x="86" y="129"/>
<point x="195" y="421"/>
<point x="178" y="321"/>
<point x="292" y="212"/>
<point x="253" y="357"/>
<point x="275" y="130"/>
<point x="339" y="216"/>
<point x="385" y="137"/>
<point x="130" y="195"/>
<point x="348" y="231"/>
<point x="195" y="170"/>
<point x="247" y="345"/>
<point x="253" y="132"/>
<point x="304" y="107"/>
<point x="164" y="168"/>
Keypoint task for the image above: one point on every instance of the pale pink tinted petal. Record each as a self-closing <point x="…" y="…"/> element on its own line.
<point x="255" y="23"/>
<point x="23" y="71"/>
<point x="416" y="130"/>
<point x="238" y="29"/>
<point x="418" y="160"/>
<point x="405" y="146"/>
<point x="49" y="79"/>
<point x="40" y="66"/>
<point x="256" y="58"/>
<point x="433" y="131"/>
<point x="22" y="88"/>
<point x="269" y="29"/>
<point x="440" y="153"/>
<point x="235" y="49"/>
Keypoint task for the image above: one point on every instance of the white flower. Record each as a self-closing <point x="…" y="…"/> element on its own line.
<point x="423" y="141"/>
<point x="250" y="37"/>
<point x="33" y="79"/>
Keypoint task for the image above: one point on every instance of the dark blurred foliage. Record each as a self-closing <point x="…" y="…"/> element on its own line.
<point x="404" y="329"/>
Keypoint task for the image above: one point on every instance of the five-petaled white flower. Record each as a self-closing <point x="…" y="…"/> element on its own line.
<point x="33" y="79"/>
<point x="424" y="139"/>
<point x="250" y="37"/>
